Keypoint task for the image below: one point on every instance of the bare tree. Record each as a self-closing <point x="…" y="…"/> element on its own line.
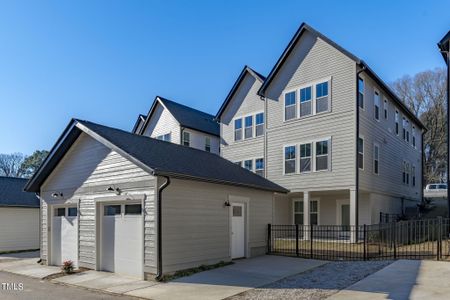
<point x="425" y="95"/>
<point x="11" y="165"/>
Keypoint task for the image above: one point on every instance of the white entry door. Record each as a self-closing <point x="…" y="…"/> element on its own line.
<point x="122" y="239"/>
<point x="64" y="243"/>
<point x="237" y="230"/>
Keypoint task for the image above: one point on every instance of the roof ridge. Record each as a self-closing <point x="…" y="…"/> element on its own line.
<point x="180" y="104"/>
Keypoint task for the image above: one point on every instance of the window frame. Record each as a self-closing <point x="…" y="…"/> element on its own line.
<point x="251" y="164"/>
<point x="295" y="158"/>
<point x="311" y="87"/>
<point x="397" y="123"/>
<point x="294" y="212"/>
<point x="235" y="129"/>
<point x="259" y="124"/>
<point x="207" y="144"/>
<point x="290" y="105"/>
<point x="413" y="175"/>
<point x="361" y="93"/>
<point x="376" y="159"/>
<point x="376" y="113"/>
<point x="188" y="140"/>
<point x="252" y="127"/>
<point x="328" y="155"/>
<point x="310" y="157"/>
<point x="386" y="109"/>
<point x="413" y="137"/>
<point x="259" y="169"/>
<point x="328" y="82"/>
<point x="362" y="153"/>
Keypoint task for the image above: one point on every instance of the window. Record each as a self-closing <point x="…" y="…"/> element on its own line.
<point x="186" y="138"/>
<point x="164" y="137"/>
<point x="60" y="212"/>
<point x="237" y="211"/>
<point x="111" y="210"/>
<point x="72" y="211"/>
<point x="305" y="102"/>
<point x="259" y="166"/>
<point x="361" y="92"/>
<point x="289" y="106"/>
<point x="413" y="172"/>
<point x="259" y="123"/>
<point x="407" y="173"/>
<point x="133" y="209"/>
<point x="322" y="97"/>
<point x="407" y="131"/>
<point x="404" y="128"/>
<point x="385" y="109"/>
<point x="414" y="136"/>
<point x="396" y="122"/>
<point x="248" y="164"/>
<point x="208" y="144"/>
<point x="361" y="153"/>
<point x="313" y="212"/>
<point x="376" y="159"/>
<point x="238" y="129"/>
<point x="321" y="162"/>
<point x="289" y="159"/>
<point x="305" y="158"/>
<point x="404" y="172"/>
<point x="376" y="103"/>
<point x="248" y="127"/>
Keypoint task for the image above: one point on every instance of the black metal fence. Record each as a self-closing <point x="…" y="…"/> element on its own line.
<point x="415" y="239"/>
<point x="388" y="218"/>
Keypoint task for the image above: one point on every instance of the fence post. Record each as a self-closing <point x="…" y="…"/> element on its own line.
<point x="296" y="239"/>
<point x="269" y="238"/>
<point x="439" y="239"/>
<point x="311" y="239"/>
<point x="365" y="242"/>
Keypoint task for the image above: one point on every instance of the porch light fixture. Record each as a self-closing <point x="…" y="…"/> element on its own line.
<point x="57" y="195"/>
<point x="114" y="189"/>
<point x="227" y="203"/>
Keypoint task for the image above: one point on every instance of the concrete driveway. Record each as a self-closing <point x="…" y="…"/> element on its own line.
<point x="404" y="279"/>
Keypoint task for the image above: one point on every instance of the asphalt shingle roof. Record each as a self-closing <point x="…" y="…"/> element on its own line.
<point x="192" y="118"/>
<point x="12" y="194"/>
<point x="162" y="158"/>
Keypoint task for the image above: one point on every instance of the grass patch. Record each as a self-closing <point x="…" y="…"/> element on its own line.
<point x="191" y="271"/>
<point x="18" y="251"/>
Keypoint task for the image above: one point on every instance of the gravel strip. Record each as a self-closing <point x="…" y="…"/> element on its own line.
<point x="318" y="283"/>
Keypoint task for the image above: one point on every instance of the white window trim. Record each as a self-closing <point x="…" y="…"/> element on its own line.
<point x="253" y="159"/>
<point x="363" y="152"/>
<point x="310" y="200"/>
<point x="295" y="160"/>
<point x="184" y="132"/>
<point x="375" y="92"/>
<point x="242" y="117"/>
<point x="385" y="108"/>
<point x="376" y="145"/>
<point x="297" y="89"/>
<point x="264" y="165"/>
<point x="328" y="155"/>
<point x="397" y="121"/>
<point x="364" y="93"/>
<point x="263" y="124"/>
<point x="311" y="157"/>
<point x="234" y="129"/>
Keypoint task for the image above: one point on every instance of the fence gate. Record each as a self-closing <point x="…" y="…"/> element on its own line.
<point x="415" y="239"/>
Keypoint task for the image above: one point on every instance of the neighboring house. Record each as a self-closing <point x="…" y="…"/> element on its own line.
<point x="19" y="216"/>
<point x="307" y="140"/>
<point x="139" y="123"/>
<point x="104" y="193"/>
<point x="173" y="122"/>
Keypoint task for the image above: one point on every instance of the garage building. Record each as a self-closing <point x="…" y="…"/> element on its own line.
<point x="125" y="203"/>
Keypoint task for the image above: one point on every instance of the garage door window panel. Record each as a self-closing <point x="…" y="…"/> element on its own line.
<point x="111" y="210"/>
<point x="133" y="209"/>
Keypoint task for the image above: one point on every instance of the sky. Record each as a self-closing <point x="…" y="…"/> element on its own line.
<point x="105" y="61"/>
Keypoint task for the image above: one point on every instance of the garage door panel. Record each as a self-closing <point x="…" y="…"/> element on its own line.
<point x="64" y="240"/>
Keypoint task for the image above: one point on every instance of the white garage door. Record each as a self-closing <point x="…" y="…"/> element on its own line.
<point x="122" y="239"/>
<point x="64" y="241"/>
<point x="19" y="228"/>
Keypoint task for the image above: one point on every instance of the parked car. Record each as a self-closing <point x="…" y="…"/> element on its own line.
<point x="435" y="190"/>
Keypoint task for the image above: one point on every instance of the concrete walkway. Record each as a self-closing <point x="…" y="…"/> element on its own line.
<point x="28" y="267"/>
<point x="404" y="279"/>
<point x="228" y="281"/>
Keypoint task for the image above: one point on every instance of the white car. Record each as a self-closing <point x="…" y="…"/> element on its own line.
<point x="435" y="190"/>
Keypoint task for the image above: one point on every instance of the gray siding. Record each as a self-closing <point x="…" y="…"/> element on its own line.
<point x="84" y="174"/>
<point x="196" y="224"/>
<point x="393" y="149"/>
<point x="313" y="59"/>
<point x="162" y="122"/>
<point x="198" y="140"/>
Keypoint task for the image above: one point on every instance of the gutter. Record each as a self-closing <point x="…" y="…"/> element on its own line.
<point x="357" y="142"/>
<point x="159" y="272"/>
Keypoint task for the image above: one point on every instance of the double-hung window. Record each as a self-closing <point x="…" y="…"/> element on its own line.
<point x="305" y="158"/>
<point x="238" y="129"/>
<point x="289" y="159"/>
<point x="259" y="166"/>
<point x="322" y="150"/>
<point x="186" y="138"/>
<point x="361" y="93"/>
<point x="305" y="101"/>
<point x="396" y="122"/>
<point x="404" y="172"/>
<point x="413" y="172"/>
<point x="361" y="153"/>
<point x="407" y="173"/>
<point x="259" y="124"/>
<point x="248" y="127"/>
<point x="164" y="137"/>
<point x="376" y="104"/>
<point x="322" y="97"/>
<point x="404" y="129"/>
<point x="248" y="164"/>
<point x="376" y="159"/>
<point x="414" y="136"/>
<point x="289" y="106"/>
<point x="407" y="131"/>
<point x="385" y="109"/>
<point x="313" y="212"/>
<point x="207" y="144"/>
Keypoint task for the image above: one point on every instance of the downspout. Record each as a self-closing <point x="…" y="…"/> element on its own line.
<point x="159" y="272"/>
<point x="38" y="195"/>
<point x="357" y="142"/>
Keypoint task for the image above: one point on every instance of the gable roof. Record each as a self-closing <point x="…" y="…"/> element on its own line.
<point x="444" y="46"/>
<point x="188" y="117"/>
<point x="245" y="70"/>
<point x="140" y="119"/>
<point x="12" y="193"/>
<point x="157" y="157"/>
<point x="305" y="27"/>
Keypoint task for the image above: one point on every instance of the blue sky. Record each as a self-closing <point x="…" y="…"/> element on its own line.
<point x="105" y="61"/>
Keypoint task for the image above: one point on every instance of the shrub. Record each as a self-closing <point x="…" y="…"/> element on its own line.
<point x="67" y="266"/>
